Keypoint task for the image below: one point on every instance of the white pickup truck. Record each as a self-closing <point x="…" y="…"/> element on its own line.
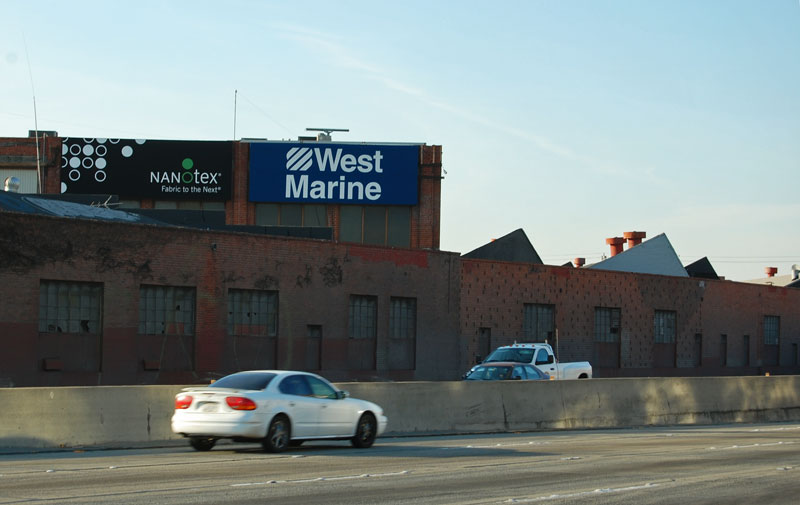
<point x="541" y="355"/>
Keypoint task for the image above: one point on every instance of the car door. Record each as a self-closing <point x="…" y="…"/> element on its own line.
<point x="337" y="416"/>
<point x="546" y="363"/>
<point x="301" y="406"/>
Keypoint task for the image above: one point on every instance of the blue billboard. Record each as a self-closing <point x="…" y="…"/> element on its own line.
<point x="362" y="174"/>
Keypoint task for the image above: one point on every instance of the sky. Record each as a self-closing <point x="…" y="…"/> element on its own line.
<point x="573" y="120"/>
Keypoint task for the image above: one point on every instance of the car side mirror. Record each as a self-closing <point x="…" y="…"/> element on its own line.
<point x="342" y="394"/>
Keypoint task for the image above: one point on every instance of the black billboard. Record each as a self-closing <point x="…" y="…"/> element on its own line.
<point x="158" y="169"/>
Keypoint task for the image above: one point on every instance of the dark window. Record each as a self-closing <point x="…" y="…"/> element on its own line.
<point x="291" y="214"/>
<point x="295" y="385"/>
<point x="664" y="326"/>
<point x="606" y="324"/>
<point x="543" y="357"/>
<point x="403" y="318"/>
<point x="252" y="312"/>
<point x="70" y="307"/>
<point x="363" y="316"/>
<point x="166" y="310"/>
<point x="314" y="347"/>
<point x="375" y="224"/>
<point x="253" y="381"/>
<point x="772" y="330"/>
<point x="538" y="322"/>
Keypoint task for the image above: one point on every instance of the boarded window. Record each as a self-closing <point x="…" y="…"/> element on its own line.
<point x="402" y="333"/>
<point x="606" y="324"/>
<point x="166" y="310"/>
<point x="538" y="322"/>
<point x="664" y="326"/>
<point x="252" y="312"/>
<point x="70" y="307"/>
<point x="772" y="330"/>
<point x="363" y="317"/>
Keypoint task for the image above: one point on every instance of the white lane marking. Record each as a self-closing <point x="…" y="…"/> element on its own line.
<point x="749" y="446"/>
<point x="492" y="446"/>
<point x="782" y="428"/>
<point x="649" y="485"/>
<point x="322" y="479"/>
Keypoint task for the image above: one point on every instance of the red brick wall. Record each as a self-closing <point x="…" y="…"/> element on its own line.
<point x="314" y="280"/>
<point x="493" y="295"/>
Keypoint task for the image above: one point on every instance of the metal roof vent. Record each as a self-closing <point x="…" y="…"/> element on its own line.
<point x="11" y="184"/>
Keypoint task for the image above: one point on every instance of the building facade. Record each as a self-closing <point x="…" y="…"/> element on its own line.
<point x="86" y="300"/>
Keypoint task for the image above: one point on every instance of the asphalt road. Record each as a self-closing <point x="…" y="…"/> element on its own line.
<point x="753" y="464"/>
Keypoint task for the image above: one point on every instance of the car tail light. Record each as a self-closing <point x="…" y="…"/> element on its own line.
<point x="240" y="403"/>
<point x="183" y="402"/>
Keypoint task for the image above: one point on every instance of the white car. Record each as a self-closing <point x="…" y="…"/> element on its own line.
<point x="279" y="408"/>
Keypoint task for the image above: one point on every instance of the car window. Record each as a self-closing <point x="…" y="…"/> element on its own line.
<point x="533" y="372"/>
<point x="254" y="381"/>
<point x="541" y="357"/>
<point x="295" y="385"/>
<point x="518" y="372"/>
<point x="320" y="389"/>
<point x="512" y="354"/>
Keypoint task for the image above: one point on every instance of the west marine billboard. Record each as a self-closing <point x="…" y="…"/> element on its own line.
<point x="159" y="169"/>
<point x="360" y="174"/>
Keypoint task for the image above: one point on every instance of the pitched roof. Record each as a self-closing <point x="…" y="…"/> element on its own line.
<point x="702" y="268"/>
<point x="654" y="256"/>
<point x="512" y="247"/>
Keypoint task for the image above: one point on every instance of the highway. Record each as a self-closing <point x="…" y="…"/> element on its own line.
<point x="747" y="463"/>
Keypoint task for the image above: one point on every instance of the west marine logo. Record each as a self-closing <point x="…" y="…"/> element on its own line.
<point x="301" y="159"/>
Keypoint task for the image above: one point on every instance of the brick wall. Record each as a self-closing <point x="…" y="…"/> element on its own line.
<point x="314" y="280"/>
<point x="493" y="295"/>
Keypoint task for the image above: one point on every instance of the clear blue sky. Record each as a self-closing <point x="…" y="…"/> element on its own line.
<point x="574" y="120"/>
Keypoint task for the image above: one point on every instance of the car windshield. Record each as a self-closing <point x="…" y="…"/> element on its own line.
<point x="511" y="354"/>
<point x="490" y="373"/>
<point x="254" y="381"/>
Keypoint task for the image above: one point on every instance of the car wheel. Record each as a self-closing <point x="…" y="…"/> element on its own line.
<point x="365" y="431"/>
<point x="202" y="443"/>
<point x="277" y="439"/>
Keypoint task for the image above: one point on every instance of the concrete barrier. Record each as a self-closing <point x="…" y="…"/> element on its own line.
<point x="136" y="416"/>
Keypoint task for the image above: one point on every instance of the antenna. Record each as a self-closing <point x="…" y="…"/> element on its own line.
<point x="326" y="135"/>
<point x="235" y="94"/>
<point x="35" y="120"/>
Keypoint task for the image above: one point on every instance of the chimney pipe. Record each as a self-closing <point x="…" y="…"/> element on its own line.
<point x="579" y="262"/>
<point x="771" y="271"/>
<point x="634" y="237"/>
<point x="795" y="272"/>
<point x="616" y="244"/>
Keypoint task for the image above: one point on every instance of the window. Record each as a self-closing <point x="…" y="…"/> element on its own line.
<point x="403" y="318"/>
<point x="166" y="310"/>
<point x="606" y="324"/>
<point x="538" y="324"/>
<point x="320" y="389"/>
<point x="363" y="316"/>
<point x="664" y="327"/>
<point x="772" y="330"/>
<point x="375" y="224"/>
<point x="295" y="385"/>
<point x="70" y="307"/>
<point x="252" y="312"/>
<point x="291" y="214"/>
<point x="183" y="205"/>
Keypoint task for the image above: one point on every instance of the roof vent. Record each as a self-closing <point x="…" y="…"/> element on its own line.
<point x="616" y="244"/>
<point x="770" y="271"/>
<point x="11" y="185"/>
<point x="795" y="272"/>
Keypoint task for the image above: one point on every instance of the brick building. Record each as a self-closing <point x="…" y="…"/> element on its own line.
<point x="357" y="290"/>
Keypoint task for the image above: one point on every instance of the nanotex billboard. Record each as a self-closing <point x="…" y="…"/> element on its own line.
<point x="363" y="174"/>
<point x="158" y="169"/>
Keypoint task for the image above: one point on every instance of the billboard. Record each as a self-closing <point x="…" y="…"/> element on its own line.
<point x="363" y="174"/>
<point x="158" y="169"/>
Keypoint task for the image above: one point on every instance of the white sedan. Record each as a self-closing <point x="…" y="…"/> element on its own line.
<point x="279" y="408"/>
